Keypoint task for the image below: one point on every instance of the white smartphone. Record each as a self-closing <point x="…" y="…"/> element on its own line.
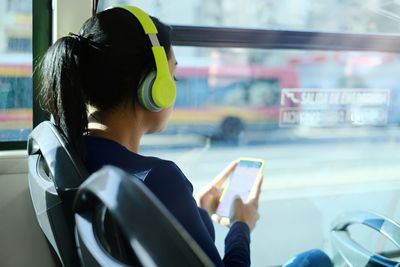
<point x="241" y="182"/>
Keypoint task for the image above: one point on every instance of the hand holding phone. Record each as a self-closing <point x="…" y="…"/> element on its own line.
<point x="209" y="196"/>
<point x="241" y="183"/>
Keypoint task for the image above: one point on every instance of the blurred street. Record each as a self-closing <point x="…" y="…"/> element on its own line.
<point x="307" y="185"/>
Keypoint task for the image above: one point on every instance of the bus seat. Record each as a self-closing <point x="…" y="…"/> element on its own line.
<point x="348" y="252"/>
<point x="55" y="172"/>
<point x="152" y="234"/>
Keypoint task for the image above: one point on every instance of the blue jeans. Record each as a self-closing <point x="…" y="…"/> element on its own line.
<point x="310" y="258"/>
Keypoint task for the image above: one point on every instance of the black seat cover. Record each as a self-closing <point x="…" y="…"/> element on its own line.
<point x="55" y="173"/>
<point x="153" y="235"/>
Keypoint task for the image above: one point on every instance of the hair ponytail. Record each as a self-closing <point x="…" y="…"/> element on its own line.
<point x="102" y="67"/>
<point x="62" y="92"/>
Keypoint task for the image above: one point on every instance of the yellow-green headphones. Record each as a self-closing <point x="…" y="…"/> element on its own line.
<point x="157" y="90"/>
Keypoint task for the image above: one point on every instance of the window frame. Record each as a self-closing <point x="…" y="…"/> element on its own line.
<point x="283" y="39"/>
<point x="42" y="17"/>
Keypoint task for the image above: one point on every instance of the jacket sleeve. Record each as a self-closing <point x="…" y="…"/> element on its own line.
<point x="237" y="245"/>
<point x="173" y="189"/>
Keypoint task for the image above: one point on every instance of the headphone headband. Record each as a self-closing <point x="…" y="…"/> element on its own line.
<point x="143" y="18"/>
<point x="162" y="87"/>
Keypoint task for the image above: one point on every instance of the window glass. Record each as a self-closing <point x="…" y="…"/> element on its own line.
<point x="326" y="123"/>
<point x="16" y="44"/>
<point x="358" y="16"/>
<point x="15" y="69"/>
<point x="18" y="6"/>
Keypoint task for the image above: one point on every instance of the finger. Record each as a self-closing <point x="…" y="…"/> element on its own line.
<point x="223" y="175"/>
<point x="209" y="189"/>
<point x="215" y="191"/>
<point x="221" y="220"/>
<point x="215" y="218"/>
<point x="254" y="195"/>
<point x="237" y="203"/>
<point x="225" y="221"/>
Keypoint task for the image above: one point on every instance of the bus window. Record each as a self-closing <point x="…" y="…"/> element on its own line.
<point x="264" y="93"/>
<point x="248" y="93"/>
<point x="15" y="70"/>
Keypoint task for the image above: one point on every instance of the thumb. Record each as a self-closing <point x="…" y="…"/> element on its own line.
<point x="237" y="204"/>
<point x="237" y="201"/>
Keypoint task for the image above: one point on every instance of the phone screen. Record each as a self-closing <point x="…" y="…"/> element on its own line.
<point x="240" y="184"/>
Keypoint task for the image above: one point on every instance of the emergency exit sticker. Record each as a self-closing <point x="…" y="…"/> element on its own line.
<point x="334" y="107"/>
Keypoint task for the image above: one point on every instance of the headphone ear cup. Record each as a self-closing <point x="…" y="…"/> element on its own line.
<point x="145" y="92"/>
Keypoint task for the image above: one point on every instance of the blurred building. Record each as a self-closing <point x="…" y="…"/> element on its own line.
<point x="16" y="26"/>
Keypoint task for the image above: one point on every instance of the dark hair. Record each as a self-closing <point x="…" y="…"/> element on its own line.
<point x="102" y="66"/>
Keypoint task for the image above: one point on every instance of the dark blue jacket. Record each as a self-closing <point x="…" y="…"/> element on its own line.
<point x="175" y="191"/>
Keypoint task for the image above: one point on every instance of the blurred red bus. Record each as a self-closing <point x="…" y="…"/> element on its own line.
<point x="225" y="101"/>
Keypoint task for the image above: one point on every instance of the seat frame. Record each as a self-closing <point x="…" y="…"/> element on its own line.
<point x="55" y="173"/>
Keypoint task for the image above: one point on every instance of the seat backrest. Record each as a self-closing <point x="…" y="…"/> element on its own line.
<point x="153" y="235"/>
<point x="55" y="173"/>
<point x="348" y="252"/>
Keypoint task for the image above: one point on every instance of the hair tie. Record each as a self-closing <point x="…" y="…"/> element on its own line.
<point x="78" y="37"/>
<point x="86" y="41"/>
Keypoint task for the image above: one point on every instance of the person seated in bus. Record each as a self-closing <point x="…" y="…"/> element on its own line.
<point x="109" y="67"/>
